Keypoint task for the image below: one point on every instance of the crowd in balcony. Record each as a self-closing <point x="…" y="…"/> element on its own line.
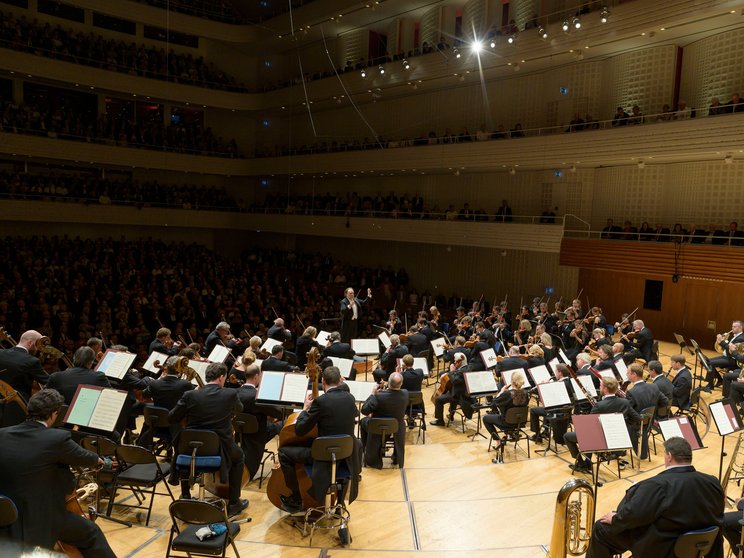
<point x="73" y="289"/>
<point x="53" y="117"/>
<point x="90" y="49"/>
<point x="692" y="234"/>
<point x="216" y="10"/>
<point x="88" y="189"/>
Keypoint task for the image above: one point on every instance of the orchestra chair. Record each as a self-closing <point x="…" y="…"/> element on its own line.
<point x="385" y="428"/>
<point x="647" y="420"/>
<point x="516" y="419"/>
<point x="105" y="448"/>
<point x="140" y="472"/>
<point x="199" y="455"/>
<point x="662" y="413"/>
<point x="334" y="514"/>
<point x="156" y="434"/>
<point x="551" y="419"/>
<point x="695" y="544"/>
<point x="416" y="413"/>
<point x="196" y="514"/>
<point x="245" y="423"/>
<point x="692" y="409"/>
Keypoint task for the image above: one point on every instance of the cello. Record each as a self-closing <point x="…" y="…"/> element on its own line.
<point x="277" y="486"/>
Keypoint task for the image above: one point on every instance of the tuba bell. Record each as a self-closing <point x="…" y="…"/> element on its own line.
<point x="573" y="521"/>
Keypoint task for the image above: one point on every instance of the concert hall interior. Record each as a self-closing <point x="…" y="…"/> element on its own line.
<point x="179" y="164"/>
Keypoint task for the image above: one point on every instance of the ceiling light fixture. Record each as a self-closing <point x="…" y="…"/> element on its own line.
<point x="542" y="33"/>
<point x="604" y="14"/>
<point x="565" y="25"/>
<point x="577" y="22"/>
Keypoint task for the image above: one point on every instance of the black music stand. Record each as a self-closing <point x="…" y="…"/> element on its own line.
<point x="682" y="344"/>
<point x="727" y="422"/>
<point x="483" y="389"/>
<point x="559" y="410"/>
<point x="700" y="360"/>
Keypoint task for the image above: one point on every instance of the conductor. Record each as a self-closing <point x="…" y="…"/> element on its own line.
<point x="350" y="312"/>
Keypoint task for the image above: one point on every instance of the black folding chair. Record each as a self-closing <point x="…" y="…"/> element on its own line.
<point x="417" y="413"/>
<point x="196" y="515"/>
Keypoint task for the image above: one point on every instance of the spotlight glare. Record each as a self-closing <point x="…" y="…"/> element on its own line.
<point x="512" y="38"/>
<point x="493" y="43"/>
<point x="382" y="69"/>
<point x="406" y="65"/>
<point x="565" y="25"/>
<point x="477" y="46"/>
<point x="604" y="14"/>
<point x="456" y="52"/>
<point x="577" y="23"/>
<point x="542" y="33"/>
<point x="364" y="73"/>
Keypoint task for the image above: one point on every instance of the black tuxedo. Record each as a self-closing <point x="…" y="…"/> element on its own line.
<point x="511" y="363"/>
<point x="253" y="444"/>
<point x="67" y="381"/>
<point x="35" y="474"/>
<point x="158" y="346"/>
<point x="303" y="346"/>
<point x="477" y="364"/>
<point x="279" y="333"/>
<point x="642" y="347"/>
<point x="212" y="408"/>
<point x="584" y="371"/>
<point x="416" y="343"/>
<point x="213" y="339"/>
<point x="449" y="355"/>
<point x="644" y="395"/>
<point x="350" y="326"/>
<point x="333" y="413"/>
<point x="275" y="364"/>
<point x="682" y="384"/>
<point x="609" y="405"/>
<point x="389" y="361"/>
<point x="412" y="379"/>
<point x="168" y="390"/>
<point x="19" y="369"/>
<point x="339" y="350"/>
<point x="665" y="386"/>
<point x="656" y="511"/>
<point x="388" y="403"/>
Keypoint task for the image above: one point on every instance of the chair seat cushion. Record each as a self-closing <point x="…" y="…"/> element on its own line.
<point x="143" y="473"/>
<point x="187" y="541"/>
<point x="203" y="462"/>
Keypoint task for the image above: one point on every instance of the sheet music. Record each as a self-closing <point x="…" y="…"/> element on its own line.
<point x="540" y="374"/>
<point x="322" y="338"/>
<point x="438" y="346"/>
<point x="344" y="365"/>
<point x="588" y="384"/>
<point x="420" y="362"/>
<point x="480" y="382"/>
<point x="385" y="339"/>
<point x="270" y="388"/>
<point x="366" y="346"/>
<point x="270" y="344"/>
<point x="200" y="367"/>
<point x="553" y="363"/>
<point x="107" y="410"/>
<point x="219" y="354"/>
<point x="622" y="369"/>
<point x="507" y="374"/>
<point x="360" y="390"/>
<point x="489" y="358"/>
<point x="150" y="362"/>
<point x="564" y="358"/>
<point x="670" y="428"/>
<point x="554" y="394"/>
<point x="258" y="362"/>
<point x="723" y="423"/>
<point x="295" y="388"/>
<point x="615" y="431"/>
<point x="83" y="406"/>
<point x="116" y="363"/>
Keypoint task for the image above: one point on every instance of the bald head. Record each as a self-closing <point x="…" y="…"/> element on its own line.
<point x="395" y="380"/>
<point x="618" y="348"/>
<point x="28" y="340"/>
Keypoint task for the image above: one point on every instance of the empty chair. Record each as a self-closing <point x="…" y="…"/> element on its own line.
<point x="196" y="515"/>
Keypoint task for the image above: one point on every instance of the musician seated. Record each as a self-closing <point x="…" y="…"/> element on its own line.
<point x="610" y="403"/>
<point x="385" y="403"/>
<point x="334" y="412"/>
<point x="416" y="341"/>
<point x="476" y="362"/>
<point x="305" y="342"/>
<point x="19" y="366"/>
<point x="511" y="395"/>
<point x="604" y="360"/>
<point x="254" y="444"/>
<point x="167" y="390"/>
<point x="389" y="359"/>
<point x="163" y="343"/>
<point x="560" y="427"/>
<point x="659" y="379"/>
<point x="279" y="332"/>
<point x="536" y="356"/>
<point x="67" y="381"/>
<point x="458" y="347"/>
<point x="583" y="365"/>
<point x="618" y="350"/>
<point x="212" y="408"/>
<point x="456" y="394"/>
<point x="413" y="378"/>
<point x="733" y="377"/>
<point x="682" y="382"/>
<point x="222" y="336"/>
<point x="35" y="474"/>
<point x="642" y="345"/>
<point x="276" y="361"/>
<point x="726" y="361"/>
<point x="512" y="362"/>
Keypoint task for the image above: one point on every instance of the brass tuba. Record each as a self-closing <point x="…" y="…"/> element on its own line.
<point x="573" y="521"/>
<point x="735" y="467"/>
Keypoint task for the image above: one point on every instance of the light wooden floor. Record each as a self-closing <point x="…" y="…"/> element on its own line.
<point x="450" y="500"/>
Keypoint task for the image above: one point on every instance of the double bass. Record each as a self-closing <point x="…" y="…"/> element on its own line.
<point x="277" y="486"/>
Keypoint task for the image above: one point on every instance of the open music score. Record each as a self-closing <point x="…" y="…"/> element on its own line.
<point x="438" y="346"/>
<point x="343" y="364"/>
<point x="282" y="387"/>
<point x="480" y="383"/>
<point x="269" y="344"/>
<point x="680" y="427"/>
<point x="115" y="363"/>
<point x="489" y="358"/>
<point x="420" y="362"/>
<point x="564" y="358"/>
<point x="385" y="339"/>
<point x="366" y="347"/>
<point x="601" y="432"/>
<point x="200" y="367"/>
<point x="506" y="375"/>
<point x="540" y="374"/>
<point x="96" y="407"/>
<point x="588" y="384"/>
<point x="553" y="363"/>
<point x="622" y="369"/>
<point x="155" y="356"/>
<point x="360" y="390"/>
<point x="219" y="354"/>
<point x="554" y="394"/>
<point x="726" y="419"/>
<point x="322" y="338"/>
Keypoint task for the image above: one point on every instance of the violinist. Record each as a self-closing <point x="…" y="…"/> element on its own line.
<point x="458" y="347"/>
<point x="305" y="342"/>
<point x="604" y="360"/>
<point x="96" y="344"/>
<point x="596" y="319"/>
<point x="389" y="359"/>
<point x="334" y="412"/>
<point x="542" y="312"/>
<point x="457" y="394"/>
<point x="577" y="339"/>
<point x="546" y="343"/>
<point x="583" y="364"/>
<point x="276" y="361"/>
<point x="163" y="343"/>
<point x="484" y="334"/>
<point x="35" y="474"/>
<point x="435" y="319"/>
<point x="393" y="325"/>
<point x="465" y="327"/>
<point x="475" y="311"/>
<point x="222" y="336"/>
<point x="279" y="332"/>
<point x="536" y="356"/>
<point x="481" y="344"/>
<point x="599" y="338"/>
<point x="642" y="345"/>
<point x="522" y="335"/>
<point x="624" y="327"/>
<point x="427" y="329"/>
<point x="576" y="306"/>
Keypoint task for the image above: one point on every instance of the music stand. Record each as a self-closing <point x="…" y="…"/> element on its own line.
<point x="682" y="344"/>
<point x="727" y="422"/>
<point x="480" y="384"/>
<point x="556" y="402"/>
<point x="701" y="360"/>
<point x="366" y="348"/>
